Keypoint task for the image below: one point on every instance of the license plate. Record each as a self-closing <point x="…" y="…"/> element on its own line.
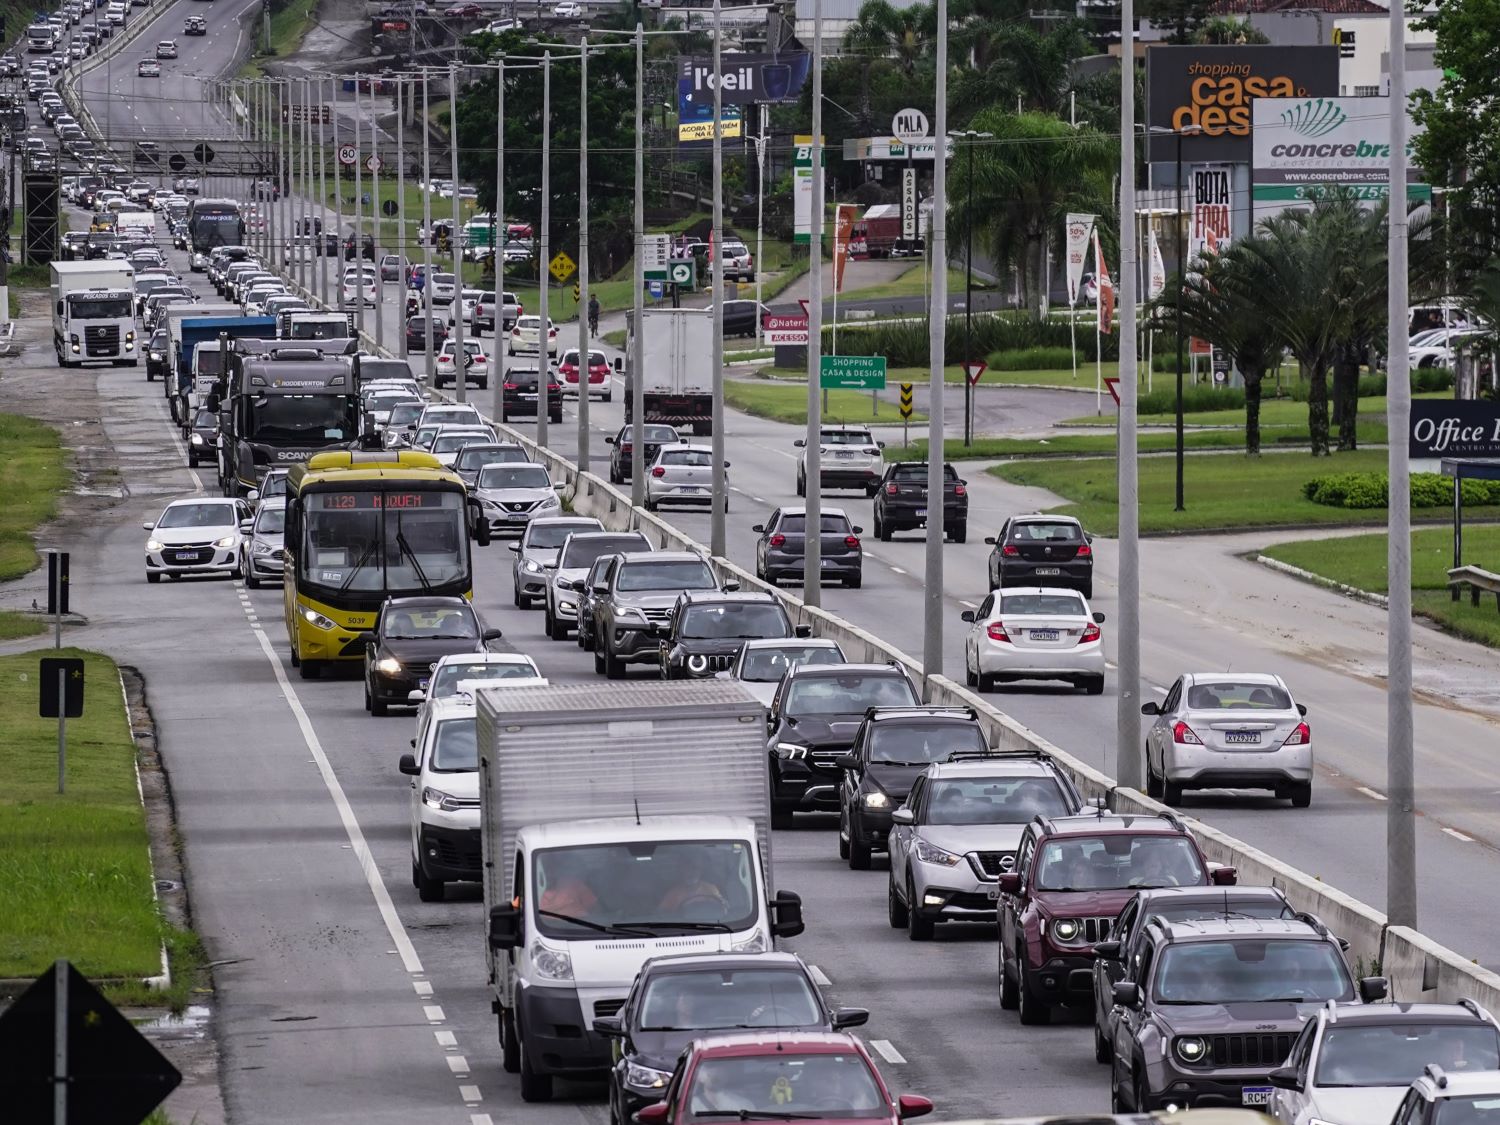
<point x="922" y="512"/>
<point x="689" y="488"/>
<point x="1048" y="571"/>
<point x="993" y="893"/>
<point x="1255" y="1095"/>
<point x="184" y="556"/>
<point x="1241" y="737"/>
<point x="843" y="456"/>
<point x="528" y="398"/>
<point x="1042" y="634"/>
<point x="422" y="683"/>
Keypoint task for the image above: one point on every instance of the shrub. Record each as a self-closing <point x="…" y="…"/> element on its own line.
<point x="1370" y="490"/>
<point x="904" y="344"/>
<point x="1194" y="400"/>
<point x="1042" y="358"/>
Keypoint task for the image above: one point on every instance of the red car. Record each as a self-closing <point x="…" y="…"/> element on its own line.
<point x="599" y="369"/>
<point x="810" y="1076"/>
<point x="465" y="11"/>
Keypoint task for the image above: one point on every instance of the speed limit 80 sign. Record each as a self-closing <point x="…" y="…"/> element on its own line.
<point x="348" y="154"/>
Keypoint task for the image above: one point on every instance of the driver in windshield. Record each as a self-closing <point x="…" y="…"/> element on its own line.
<point x="569" y="892"/>
<point x="689" y="885"/>
<point x="1163" y="867"/>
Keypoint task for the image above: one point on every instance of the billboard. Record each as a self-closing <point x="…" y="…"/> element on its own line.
<point x="1210" y="225"/>
<point x="1214" y="88"/>
<point x="802" y="188"/>
<point x="746" y="78"/>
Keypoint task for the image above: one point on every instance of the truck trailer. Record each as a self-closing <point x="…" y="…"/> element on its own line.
<point x="677" y="383"/>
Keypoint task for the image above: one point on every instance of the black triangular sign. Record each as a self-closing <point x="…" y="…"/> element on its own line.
<point x="114" y="1075"/>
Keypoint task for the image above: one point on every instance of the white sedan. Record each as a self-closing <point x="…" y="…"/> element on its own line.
<point x="524" y="336"/>
<point x="476" y="364"/>
<point x="568" y="10"/>
<point x="359" y="289"/>
<point x="196" y="536"/>
<point x="1034" y="633"/>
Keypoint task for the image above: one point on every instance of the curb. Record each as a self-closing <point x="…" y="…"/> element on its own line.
<point x="1327" y="583"/>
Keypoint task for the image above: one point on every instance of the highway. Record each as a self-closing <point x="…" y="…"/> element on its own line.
<point x="340" y="995"/>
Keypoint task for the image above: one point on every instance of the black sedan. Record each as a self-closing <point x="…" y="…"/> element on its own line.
<point x="416" y="333"/>
<point x="410" y="637"/>
<point x="1042" y="551"/>
<point x="203" y="438"/>
<point x="622" y="448"/>
<point x="742" y="318"/>
<point x="157" y="363"/>
<point x="677" y="999"/>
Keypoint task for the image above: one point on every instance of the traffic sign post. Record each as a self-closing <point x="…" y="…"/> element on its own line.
<point x="577" y="292"/>
<point x="57" y="589"/>
<point x="61" y="699"/>
<point x="656" y="256"/>
<point x="973" y="369"/>
<point x="852" y="372"/>
<point x="348" y="154"/>
<point x="682" y="271"/>
<point x="906" y="411"/>
<point x="1113" y="383"/>
<point x="562" y="266"/>
<point x="372" y="163"/>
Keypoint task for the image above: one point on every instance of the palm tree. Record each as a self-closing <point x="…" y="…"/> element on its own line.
<point x="1026" y="177"/>
<point x="904" y="34"/>
<point x="1013" y="62"/>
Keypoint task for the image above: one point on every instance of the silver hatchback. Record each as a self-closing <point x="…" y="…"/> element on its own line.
<point x="683" y="474"/>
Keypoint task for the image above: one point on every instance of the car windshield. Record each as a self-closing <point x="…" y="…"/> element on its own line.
<point x="846" y="437"/>
<point x="1042" y="605"/>
<point x="654" y="434"/>
<point x="205" y="419"/>
<point x="302" y="418"/>
<point x="784" y="1084"/>
<point x="733" y="621"/>
<point x="1117" y="861"/>
<point x="850" y="694"/>
<point x="100" y="308"/>
<point x="454" y="747"/>
<point x="550" y="536"/>
<point x="770" y="665"/>
<point x="449" y="675"/>
<point x="689" y="458"/>
<point x="1395" y="1055"/>
<point x="831" y="525"/>
<point x="1229" y="695"/>
<point x="270" y="521"/>
<point x="1037" y="531"/>
<point x="384" y="400"/>
<point x="476" y="457"/>
<point x="581" y="551"/>
<point x="273" y="485"/>
<point x="729" y="998"/>
<point x="429" y="623"/>
<point x="520" y="475"/>
<point x="1475" y="1109"/>
<point x="670" y="574"/>
<point x="404" y="413"/>
<point x="1250" y="970"/>
<point x="198" y="515"/>
<point x="922" y="743"/>
<point x="645" y="887"/>
<point x="993" y="800"/>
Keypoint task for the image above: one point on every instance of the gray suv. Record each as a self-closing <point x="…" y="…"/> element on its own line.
<point x="1213" y="1006"/>
<point x="634" y="606"/>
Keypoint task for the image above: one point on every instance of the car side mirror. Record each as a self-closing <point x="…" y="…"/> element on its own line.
<point x="1127" y="993"/>
<point x="967" y="615"/>
<point x="990" y="539"/>
<point x="1301" y="710"/>
<point x="490" y="635"/>
<point x="408" y="765"/>
<point x="730" y="585"/>
<point x="1224" y="876"/>
<point x="847" y="761"/>
<point x="858" y="530"/>
<point x="559" y="486"/>
<point x="758" y="528"/>
<point x="844" y="1018"/>
<point x="1108" y="950"/>
<point x="147" y="526"/>
<point x="880" y="445"/>
<point x="653" y="1114"/>
<point x="800" y="443"/>
<point x="515" y="548"/>
<point x="787" y="908"/>
<point x="903" y="815"/>
<point x="253" y="495"/>
<point x="912" y="1105"/>
<point x="416" y="695"/>
<point x="619" y="365"/>
<point x="1010" y="882"/>
<point x="608" y="441"/>
<point x="611" y="1027"/>
<point x="507" y="925"/>
<point x="1372" y="989"/>
<point x="1098" y="619"/>
<point x="1151" y="708"/>
<point x="1284" y="1078"/>
<point x="802" y="630"/>
<point x="246" y="526"/>
<point x="367" y="638"/>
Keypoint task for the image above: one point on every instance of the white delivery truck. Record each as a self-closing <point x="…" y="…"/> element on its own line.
<point x="93" y="313"/>
<point x="599" y="853"/>
<point x="677" y="382"/>
<point x="141" y="223"/>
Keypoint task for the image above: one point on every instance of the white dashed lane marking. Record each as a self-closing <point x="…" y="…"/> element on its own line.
<point x="1371" y="793"/>
<point x="886" y="1051"/>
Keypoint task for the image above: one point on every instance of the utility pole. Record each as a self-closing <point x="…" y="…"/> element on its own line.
<point x="375" y="217"/>
<point x="400" y="309"/>
<point x="583" y="255"/>
<point x="497" y="246"/>
<point x="812" y="552"/>
<point x="338" y="197"/>
<point x="1401" y="828"/>
<point x="308" y="210"/>
<point x="636" y="390"/>
<point x="455" y="243"/>
<point x="428" y="241"/>
<point x="932" y="620"/>
<point x="359" y="222"/>
<point x="721" y="477"/>
<point x="544" y="373"/>
<point x="1128" y="699"/>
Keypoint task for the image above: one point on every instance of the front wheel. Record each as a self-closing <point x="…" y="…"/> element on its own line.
<point x="311" y="669"/>
<point x="428" y="889"/>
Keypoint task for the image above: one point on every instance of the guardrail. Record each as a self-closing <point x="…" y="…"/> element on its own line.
<point x="1478" y="580"/>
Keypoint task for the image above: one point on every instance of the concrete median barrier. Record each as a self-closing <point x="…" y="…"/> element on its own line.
<point x="1421" y="969"/>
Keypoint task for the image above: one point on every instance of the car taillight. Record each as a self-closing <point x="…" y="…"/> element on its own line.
<point x="958" y="490"/>
<point x="851" y="541"/>
<point x="891" y="490"/>
<point x="1010" y="550"/>
<point x="1183" y="735"/>
<point x="658" y="472"/>
<point x="1085" y="551"/>
<point x="554" y="386"/>
<point x="778" y="540"/>
<point x="1299" y="737"/>
<point x="1090" y="633"/>
<point x="626" y="447"/>
<point x="510" y="386"/>
<point x="997" y="632"/>
<point x="515" y="331"/>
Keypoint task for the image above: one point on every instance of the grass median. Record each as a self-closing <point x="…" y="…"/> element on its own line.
<point x="75" y="871"/>
<point x="1360" y="561"/>
<point x="1221" y="492"/>
<point x="32" y="474"/>
<point x="788" y="403"/>
<point x="1103" y="444"/>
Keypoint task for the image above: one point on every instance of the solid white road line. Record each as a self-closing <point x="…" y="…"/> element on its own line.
<point x="1459" y="836"/>
<point x="886" y="1051"/>
<point x="1370" y="793"/>
<point x="387" y="908"/>
<point x="820" y="978"/>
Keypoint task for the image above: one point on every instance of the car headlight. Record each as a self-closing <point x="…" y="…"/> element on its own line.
<point x="549" y="501"/>
<point x="877" y="801"/>
<point x="697" y="662"/>
<point x="196" y="439"/>
<point x="644" y="1078"/>
<point x="225" y="542"/>
<point x="154" y="544"/>
<point x="1191" y="1049"/>
<point x="437" y="799"/>
<point x="261" y="547"/>
<point x="755" y="943"/>
<point x="629" y="613"/>
<point x="154" y="357"/>
<point x="563" y="603"/>
<point x="531" y="566"/>
<point x="551" y="963"/>
<point x="1067" y="930"/>
<point x="931" y="853"/>
<point x="791" y="750"/>
<point x="389" y="665"/>
<point x="317" y="620"/>
<point x="493" y="505"/>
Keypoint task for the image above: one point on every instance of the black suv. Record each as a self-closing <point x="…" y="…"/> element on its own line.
<point x="814" y="716"/>
<point x="891" y="749"/>
<point x="521" y="394"/>
<point x="1072" y="877"/>
<point x="1042" y="551"/>
<point x="901" y="501"/>
<point x="1214" y="1006"/>
<point x="707" y="630"/>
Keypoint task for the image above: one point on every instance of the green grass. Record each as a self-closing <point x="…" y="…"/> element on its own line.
<point x="1360" y="561"/>
<point x="15" y="625"/>
<point x="1103" y="443"/>
<point x="1221" y="491"/>
<point x="912" y="283"/>
<point x="788" y="403"/>
<point x="289" y="27"/>
<point x="75" y="873"/>
<point x="32" y="473"/>
<point x="1273" y="413"/>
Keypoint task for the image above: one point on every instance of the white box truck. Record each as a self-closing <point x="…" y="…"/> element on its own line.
<point x="599" y="852"/>
<point x="677" y="355"/>
<point x="93" y="313"/>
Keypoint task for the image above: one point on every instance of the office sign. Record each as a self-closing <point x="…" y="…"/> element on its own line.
<point x="745" y="79"/>
<point x="802" y="189"/>
<point x="1454" y="428"/>
<point x="910" y="126"/>
<point x="1213" y="88"/>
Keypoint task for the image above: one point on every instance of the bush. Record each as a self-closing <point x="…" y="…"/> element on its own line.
<point x="1032" y="359"/>
<point x="904" y="344"/>
<point x="1194" y="399"/>
<point x="1370" y="490"/>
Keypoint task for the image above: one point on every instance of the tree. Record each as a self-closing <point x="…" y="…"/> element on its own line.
<point x="1031" y="172"/>
<point x="904" y="34"/>
<point x="1013" y="61"/>
<point x="1229" y="31"/>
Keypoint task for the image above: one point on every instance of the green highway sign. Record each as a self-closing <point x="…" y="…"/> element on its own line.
<point x="852" y="372"/>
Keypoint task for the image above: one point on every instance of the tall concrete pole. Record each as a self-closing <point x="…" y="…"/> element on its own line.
<point x="426" y="306"/>
<point x="721" y="478"/>
<point x="308" y="209"/>
<point x="497" y="247"/>
<point x="636" y="389"/>
<point x="932" y="618"/>
<point x="375" y="218"/>
<point x="1401" y="829"/>
<point x="812" y="552"/>
<point x="544" y="374"/>
<point x="359" y="220"/>
<point x="323" y="198"/>
<point x="1128" y="655"/>
<point x="583" y="256"/>
<point x="401" y="99"/>
<point x="460" y="372"/>
<point x="338" y="199"/>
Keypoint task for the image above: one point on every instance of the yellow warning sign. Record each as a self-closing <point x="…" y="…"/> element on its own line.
<point x="562" y="266"/>
<point x="577" y="292"/>
<point x="906" y="400"/>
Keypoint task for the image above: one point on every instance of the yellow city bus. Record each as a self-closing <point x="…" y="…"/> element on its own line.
<point x="362" y="527"/>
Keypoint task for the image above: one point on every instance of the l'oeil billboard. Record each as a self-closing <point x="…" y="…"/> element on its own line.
<point x="1212" y="89"/>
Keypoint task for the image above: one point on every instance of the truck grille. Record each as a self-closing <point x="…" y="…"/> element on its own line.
<point x="463" y="856"/>
<point x="519" y="505"/>
<point x="608" y="1007"/>
<point x="1264" y="1051"/>
<point x="989" y="865"/>
<point x="101" y="339"/>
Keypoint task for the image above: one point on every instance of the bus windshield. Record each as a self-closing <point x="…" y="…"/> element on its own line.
<point x="391" y="542"/>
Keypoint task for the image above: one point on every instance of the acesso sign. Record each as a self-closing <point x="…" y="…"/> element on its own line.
<point x="1451" y="428"/>
<point x="1213" y="89"/>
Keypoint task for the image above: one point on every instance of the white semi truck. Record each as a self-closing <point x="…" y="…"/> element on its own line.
<point x="599" y="852"/>
<point x="93" y="313"/>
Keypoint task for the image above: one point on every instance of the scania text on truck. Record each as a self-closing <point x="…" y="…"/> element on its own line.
<point x="93" y="313"/>
<point x="598" y="855"/>
<point x="677" y="385"/>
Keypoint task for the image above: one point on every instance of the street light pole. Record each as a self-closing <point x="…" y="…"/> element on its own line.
<point x="721" y="479"/>
<point x="544" y="375"/>
<point x="932" y="624"/>
<point x="812" y="552"/>
<point x="973" y="138"/>
<point x="637" y="390"/>
<point x="497" y="246"/>
<point x="1182" y="233"/>
<point x="460" y="368"/>
<point x="583" y="256"/>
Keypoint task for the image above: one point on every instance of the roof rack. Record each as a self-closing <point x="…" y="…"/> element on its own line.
<point x="1332" y="1008"/>
<point x="1312" y="920"/>
<point x="1172" y="819"/>
<point x="996" y="754"/>
<point x="1435" y="1072"/>
<point x="1474" y="1006"/>
<point x="919" y="709"/>
<point x="1045" y="822"/>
